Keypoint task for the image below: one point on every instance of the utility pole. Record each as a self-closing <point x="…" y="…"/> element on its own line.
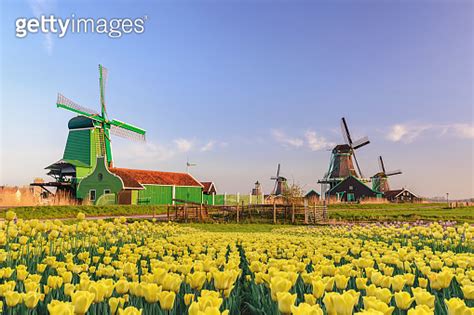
<point x="447" y="199"/>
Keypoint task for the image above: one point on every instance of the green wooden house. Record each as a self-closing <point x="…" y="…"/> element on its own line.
<point x="131" y="186"/>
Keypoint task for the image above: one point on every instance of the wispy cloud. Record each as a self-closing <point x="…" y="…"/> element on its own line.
<point x="183" y="145"/>
<point x="208" y="146"/>
<point x="310" y="140"/>
<point x="286" y="140"/>
<point x="43" y="7"/>
<point x="316" y="142"/>
<point x="408" y="132"/>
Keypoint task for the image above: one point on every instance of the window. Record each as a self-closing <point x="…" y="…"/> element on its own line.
<point x="350" y="197"/>
<point x="106" y="191"/>
<point x="92" y="195"/>
<point x="351" y="187"/>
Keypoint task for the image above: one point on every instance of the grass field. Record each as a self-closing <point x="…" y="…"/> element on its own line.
<point x="339" y="212"/>
<point x="401" y="212"/>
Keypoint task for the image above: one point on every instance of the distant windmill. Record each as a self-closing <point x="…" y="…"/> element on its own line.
<point x="380" y="180"/>
<point x="280" y="183"/>
<point x="188" y="165"/>
<point x="343" y="157"/>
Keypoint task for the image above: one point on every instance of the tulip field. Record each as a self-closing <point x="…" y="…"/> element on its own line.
<point x="146" y="267"/>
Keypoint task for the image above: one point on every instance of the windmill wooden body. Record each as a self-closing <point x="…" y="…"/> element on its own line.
<point x="380" y="180"/>
<point x="281" y="185"/>
<point x="343" y="159"/>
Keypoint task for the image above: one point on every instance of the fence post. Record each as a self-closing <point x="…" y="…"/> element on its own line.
<point x="293" y="212"/>
<point x="168" y="213"/>
<point x="305" y="211"/>
<point x="200" y="213"/>
<point x="274" y="212"/>
<point x="237" y="212"/>
<point x="185" y="214"/>
<point x="314" y="211"/>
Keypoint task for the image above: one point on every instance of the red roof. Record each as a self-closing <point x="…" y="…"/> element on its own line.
<point x="208" y="187"/>
<point x="137" y="178"/>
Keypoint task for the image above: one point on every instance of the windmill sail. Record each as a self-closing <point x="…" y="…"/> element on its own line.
<point x="68" y="104"/>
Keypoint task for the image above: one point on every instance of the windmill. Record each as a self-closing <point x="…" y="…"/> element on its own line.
<point x="189" y="164"/>
<point x="101" y="142"/>
<point x="343" y="157"/>
<point x="380" y="180"/>
<point x="280" y="183"/>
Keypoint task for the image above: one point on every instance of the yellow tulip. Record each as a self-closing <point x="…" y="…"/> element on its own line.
<point x="81" y="216"/>
<point x="384" y="295"/>
<point x="196" y="280"/>
<point x="31" y="299"/>
<point x="222" y="279"/>
<point x="54" y="282"/>
<point x="372" y="303"/>
<point x="21" y="273"/>
<point x="422" y="282"/>
<point x="279" y="284"/>
<point x="56" y="307"/>
<point x="82" y="300"/>
<point x="361" y="283"/>
<point x="172" y="282"/>
<point x="340" y="304"/>
<point x="440" y="280"/>
<point x="423" y="297"/>
<point x="12" y="298"/>
<point x="310" y="299"/>
<point x="468" y="292"/>
<point x="369" y="312"/>
<point x="114" y="304"/>
<point x="99" y="290"/>
<point x="420" y="310"/>
<point x="151" y="292"/>
<point x="130" y="311"/>
<point x="122" y="286"/>
<point x="398" y="282"/>
<point x="306" y="309"/>
<point x="318" y="288"/>
<point x="188" y="298"/>
<point x="31" y="286"/>
<point x="10" y="215"/>
<point x="403" y="300"/>
<point x="341" y="281"/>
<point x="285" y="301"/>
<point x="166" y="299"/>
<point x="456" y="306"/>
<point x="67" y="277"/>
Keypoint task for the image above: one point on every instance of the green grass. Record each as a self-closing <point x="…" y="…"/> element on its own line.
<point x="50" y="212"/>
<point x="401" y="212"/>
<point x="346" y="212"/>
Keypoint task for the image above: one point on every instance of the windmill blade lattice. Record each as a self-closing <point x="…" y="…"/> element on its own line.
<point x="127" y="134"/>
<point x="66" y="103"/>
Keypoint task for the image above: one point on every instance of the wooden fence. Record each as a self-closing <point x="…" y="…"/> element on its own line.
<point x="257" y="213"/>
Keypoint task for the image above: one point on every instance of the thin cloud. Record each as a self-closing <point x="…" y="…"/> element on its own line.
<point x="183" y="145"/>
<point x="316" y="142"/>
<point x="310" y="140"/>
<point x="43" y="7"/>
<point x="409" y="132"/>
<point x="286" y="140"/>
<point x="208" y="146"/>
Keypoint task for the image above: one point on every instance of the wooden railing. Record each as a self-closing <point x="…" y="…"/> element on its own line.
<point x="263" y="213"/>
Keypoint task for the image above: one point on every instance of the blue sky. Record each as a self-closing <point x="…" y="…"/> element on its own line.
<point x="239" y="86"/>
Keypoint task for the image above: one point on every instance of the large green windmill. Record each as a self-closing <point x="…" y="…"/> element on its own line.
<point x="89" y="133"/>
